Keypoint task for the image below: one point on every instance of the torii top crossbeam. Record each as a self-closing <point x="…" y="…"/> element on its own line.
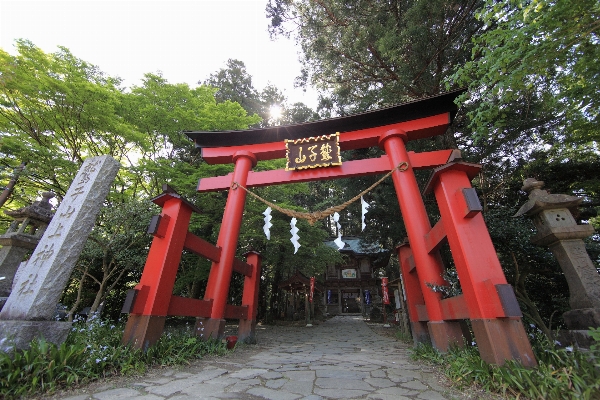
<point x="420" y="119"/>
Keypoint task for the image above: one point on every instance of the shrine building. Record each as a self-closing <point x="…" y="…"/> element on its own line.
<point x="353" y="286"/>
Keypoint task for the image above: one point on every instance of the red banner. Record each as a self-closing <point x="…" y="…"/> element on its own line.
<point x="384" y="290"/>
<point x="312" y="289"/>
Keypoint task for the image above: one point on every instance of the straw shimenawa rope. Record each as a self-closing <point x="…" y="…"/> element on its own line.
<point x="319" y="215"/>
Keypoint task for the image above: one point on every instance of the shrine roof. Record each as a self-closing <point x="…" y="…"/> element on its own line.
<point x="421" y="108"/>
<point x="357" y="246"/>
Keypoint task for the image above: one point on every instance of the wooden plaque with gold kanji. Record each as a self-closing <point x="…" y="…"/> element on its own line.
<point x="313" y="152"/>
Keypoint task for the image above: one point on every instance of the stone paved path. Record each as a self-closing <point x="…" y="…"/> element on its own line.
<point x="341" y="358"/>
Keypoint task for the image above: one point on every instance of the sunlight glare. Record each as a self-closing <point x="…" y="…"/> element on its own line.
<point x="275" y="112"/>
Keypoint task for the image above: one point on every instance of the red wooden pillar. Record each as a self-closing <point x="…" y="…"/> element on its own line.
<point x="429" y="265"/>
<point x="414" y="296"/>
<point x="219" y="279"/>
<point x="247" y="327"/>
<point x="493" y="309"/>
<point x="153" y="293"/>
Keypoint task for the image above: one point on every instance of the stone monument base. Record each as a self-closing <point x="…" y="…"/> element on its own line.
<point x="19" y="334"/>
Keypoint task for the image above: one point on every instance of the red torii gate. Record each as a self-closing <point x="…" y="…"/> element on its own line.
<point x="487" y="300"/>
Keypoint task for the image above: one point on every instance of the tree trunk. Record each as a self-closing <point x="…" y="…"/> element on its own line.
<point x="78" y="299"/>
<point x="523" y="296"/>
<point x="11" y="184"/>
<point x="98" y="299"/>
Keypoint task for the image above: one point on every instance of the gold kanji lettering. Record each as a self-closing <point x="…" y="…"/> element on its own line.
<point x="300" y="159"/>
<point x="325" y="152"/>
<point x="313" y="153"/>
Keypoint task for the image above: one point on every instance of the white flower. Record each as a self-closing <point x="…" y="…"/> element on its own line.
<point x="569" y="348"/>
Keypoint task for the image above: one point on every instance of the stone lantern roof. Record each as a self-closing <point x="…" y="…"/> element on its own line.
<point x="40" y="210"/>
<point x="29" y="223"/>
<point x="540" y="200"/>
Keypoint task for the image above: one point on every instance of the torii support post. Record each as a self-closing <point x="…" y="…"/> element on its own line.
<point x="492" y="306"/>
<point x="414" y="295"/>
<point x="247" y="326"/>
<point x="153" y="294"/>
<point x="219" y="279"/>
<point x="429" y="266"/>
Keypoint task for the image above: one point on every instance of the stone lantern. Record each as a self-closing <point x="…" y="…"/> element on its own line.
<point x="23" y="235"/>
<point x="557" y="229"/>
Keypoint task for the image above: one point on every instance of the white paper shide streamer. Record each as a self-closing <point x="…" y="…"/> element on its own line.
<point x="268" y="223"/>
<point x="340" y="244"/>
<point x="365" y="209"/>
<point x="295" y="237"/>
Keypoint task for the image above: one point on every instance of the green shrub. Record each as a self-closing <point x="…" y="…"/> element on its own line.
<point x="91" y="351"/>
<point x="560" y="374"/>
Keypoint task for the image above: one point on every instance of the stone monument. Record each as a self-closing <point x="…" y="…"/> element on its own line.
<point x="557" y="229"/>
<point x="29" y="310"/>
<point x="24" y="233"/>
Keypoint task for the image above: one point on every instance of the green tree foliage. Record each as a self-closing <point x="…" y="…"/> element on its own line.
<point x="234" y="83"/>
<point x="541" y="56"/>
<point x="161" y="111"/>
<point x="55" y="111"/>
<point x="375" y="53"/>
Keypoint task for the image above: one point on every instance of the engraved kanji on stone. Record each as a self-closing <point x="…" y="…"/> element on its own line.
<point x="79" y="190"/>
<point x="57" y="231"/>
<point x="85" y="173"/>
<point x="68" y="212"/>
<point x="84" y="178"/>
<point x="26" y="287"/>
<point x="44" y="254"/>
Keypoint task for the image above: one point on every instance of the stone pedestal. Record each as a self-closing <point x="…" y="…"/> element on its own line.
<point x="558" y="230"/>
<point x="19" y="334"/>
